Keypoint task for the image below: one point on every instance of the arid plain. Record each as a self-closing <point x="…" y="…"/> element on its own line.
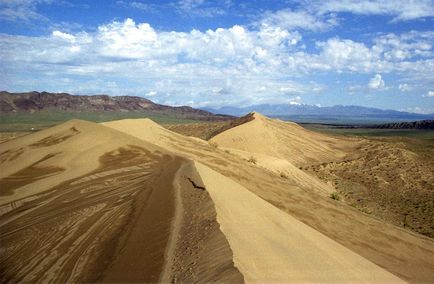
<point x="132" y="201"/>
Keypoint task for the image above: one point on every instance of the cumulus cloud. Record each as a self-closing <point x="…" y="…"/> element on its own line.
<point x="376" y="82"/>
<point x="405" y="46"/>
<point x="241" y="65"/>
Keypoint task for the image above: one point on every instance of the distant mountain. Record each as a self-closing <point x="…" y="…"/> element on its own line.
<point x="43" y="101"/>
<point x="309" y="113"/>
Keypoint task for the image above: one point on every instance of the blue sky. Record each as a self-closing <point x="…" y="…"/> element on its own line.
<point x="376" y="53"/>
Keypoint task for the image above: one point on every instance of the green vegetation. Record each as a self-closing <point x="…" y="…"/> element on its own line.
<point x="373" y="132"/>
<point x="335" y="196"/>
<point x="23" y="122"/>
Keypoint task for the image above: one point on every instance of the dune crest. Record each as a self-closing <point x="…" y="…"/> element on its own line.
<point x="281" y="139"/>
<point x="298" y="196"/>
<point x="271" y="246"/>
<point x="74" y="147"/>
<point x="131" y="201"/>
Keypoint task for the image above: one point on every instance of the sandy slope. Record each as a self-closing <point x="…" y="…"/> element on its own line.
<point x="199" y="251"/>
<point x="151" y="132"/>
<point x="82" y="203"/>
<point x="271" y="246"/>
<point x="103" y="206"/>
<point x="73" y="148"/>
<point x="409" y="256"/>
<point x="285" y="140"/>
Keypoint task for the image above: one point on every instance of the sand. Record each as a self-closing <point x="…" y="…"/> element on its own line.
<point x="201" y="252"/>
<point x="110" y="205"/>
<point x="73" y="149"/>
<point x="406" y="255"/>
<point x="285" y="140"/>
<point x="129" y="214"/>
<point x="270" y="246"/>
<point x="130" y="201"/>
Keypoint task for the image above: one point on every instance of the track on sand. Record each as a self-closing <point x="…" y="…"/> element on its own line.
<point x="112" y="223"/>
<point x="95" y="227"/>
<point x="406" y="255"/>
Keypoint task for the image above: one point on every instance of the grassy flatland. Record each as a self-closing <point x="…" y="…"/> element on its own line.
<point x="372" y="132"/>
<point x="24" y="122"/>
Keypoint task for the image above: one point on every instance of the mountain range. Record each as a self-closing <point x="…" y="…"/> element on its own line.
<point x="30" y="102"/>
<point x="309" y="113"/>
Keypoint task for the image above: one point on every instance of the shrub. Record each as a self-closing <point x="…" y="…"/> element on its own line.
<point x="252" y="160"/>
<point x="335" y="196"/>
<point x="283" y="175"/>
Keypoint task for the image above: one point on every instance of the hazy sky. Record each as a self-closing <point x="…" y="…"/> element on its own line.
<point x="216" y="53"/>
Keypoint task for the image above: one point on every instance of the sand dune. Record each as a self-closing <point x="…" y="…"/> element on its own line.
<point x="198" y="149"/>
<point x="49" y="157"/>
<point x="270" y="246"/>
<point x="109" y="205"/>
<point x="129" y="201"/>
<point x="406" y="255"/>
<point x="118" y="209"/>
<point x="285" y="140"/>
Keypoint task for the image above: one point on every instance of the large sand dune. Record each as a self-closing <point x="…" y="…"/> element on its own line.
<point x="284" y="140"/>
<point x="409" y="256"/>
<point x="272" y="247"/>
<point x="111" y="191"/>
<point x="129" y="201"/>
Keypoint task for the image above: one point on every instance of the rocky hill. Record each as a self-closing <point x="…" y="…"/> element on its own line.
<point x="40" y="101"/>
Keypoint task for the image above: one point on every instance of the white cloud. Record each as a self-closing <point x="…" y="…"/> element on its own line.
<point x="401" y="10"/>
<point x="405" y="46"/>
<point x="137" y="5"/>
<point x="376" y="82"/>
<point x="430" y="94"/>
<point x="295" y="100"/>
<point x="404" y="87"/>
<point x="291" y="20"/>
<point x="150" y="94"/>
<point x="21" y="10"/>
<point x="263" y="64"/>
<point x="64" y="36"/>
<point x="340" y="54"/>
<point x="202" y="8"/>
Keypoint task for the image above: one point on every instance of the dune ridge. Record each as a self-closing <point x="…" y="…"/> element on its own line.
<point x="110" y="206"/>
<point x="281" y="139"/>
<point x="134" y="202"/>
<point x="271" y="246"/>
<point x="410" y="257"/>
